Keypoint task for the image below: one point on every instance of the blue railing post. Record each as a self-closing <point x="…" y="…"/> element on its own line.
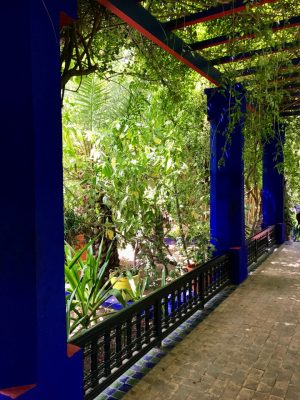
<point x="273" y="182"/>
<point x="35" y="361"/>
<point x="226" y="112"/>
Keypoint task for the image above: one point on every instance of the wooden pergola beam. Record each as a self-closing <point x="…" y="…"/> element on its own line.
<point x="290" y="106"/>
<point x="249" y="54"/>
<point x="290" y="113"/>
<point x="290" y="86"/>
<point x="295" y="95"/>
<point x="276" y="26"/>
<point x="136" y="16"/>
<point x="214" y="13"/>
<point x="295" y="62"/>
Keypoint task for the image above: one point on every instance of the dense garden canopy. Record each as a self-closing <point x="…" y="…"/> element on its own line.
<point x="135" y="126"/>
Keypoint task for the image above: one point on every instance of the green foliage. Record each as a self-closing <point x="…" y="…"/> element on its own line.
<point x="137" y="289"/>
<point x="135" y="133"/>
<point x="86" y="287"/>
<point x="292" y="161"/>
<point x="143" y="164"/>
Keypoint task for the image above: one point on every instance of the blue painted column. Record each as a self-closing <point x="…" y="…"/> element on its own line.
<point x="273" y="182"/>
<point x="226" y="112"/>
<point x="35" y="361"/>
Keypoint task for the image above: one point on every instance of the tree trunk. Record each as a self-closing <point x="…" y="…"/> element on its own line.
<point x="106" y="220"/>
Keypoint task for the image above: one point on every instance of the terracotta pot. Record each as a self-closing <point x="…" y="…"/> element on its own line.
<point x="191" y="266"/>
<point x="80" y="243"/>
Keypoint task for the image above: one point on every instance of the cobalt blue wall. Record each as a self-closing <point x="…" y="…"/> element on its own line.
<point x="273" y="182"/>
<point x="33" y="332"/>
<point x="227" y="215"/>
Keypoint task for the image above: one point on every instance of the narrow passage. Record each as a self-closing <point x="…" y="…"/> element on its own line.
<point x="247" y="348"/>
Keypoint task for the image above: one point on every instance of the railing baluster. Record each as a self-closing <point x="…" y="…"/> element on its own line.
<point x="180" y="303"/>
<point x="109" y="347"/>
<point x="184" y="300"/>
<point x="198" y="284"/>
<point x="260" y="244"/>
<point x="94" y="362"/>
<point x="202" y="284"/>
<point x="256" y="250"/>
<point x="190" y="293"/>
<point x="147" y="325"/>
<point x="157" y="319"/>
<point x="166" y="310"/>
<point x="118" y="345"/>
<point x="172" y="307"/>
<point x="129" y="338"/>
<point x="138" y="332"/>
<point x="107" y="359"/>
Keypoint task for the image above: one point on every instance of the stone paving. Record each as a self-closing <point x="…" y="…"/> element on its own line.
<point x="247" y="348"/>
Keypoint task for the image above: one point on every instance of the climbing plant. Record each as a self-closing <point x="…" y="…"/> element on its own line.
<point x="135" y="131"/>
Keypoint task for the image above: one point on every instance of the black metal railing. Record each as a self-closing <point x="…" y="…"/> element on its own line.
<point x="260" y="243"/>
<point x="112" y="346"/>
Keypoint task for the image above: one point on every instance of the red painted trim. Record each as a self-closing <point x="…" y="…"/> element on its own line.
<point x="72" y="349"/>
<point x="248" y="57"/>
<point x="280" y="28"/>
<point x="16" y="391"/>
<point x="221" y="14"/>
<point x="249" y="36"/>
<point x="210" y="17"/>
<point x="64" y="19"/>
<point x="263" y="233"/>
<point x="229" y="40"/>
<point x="235" y="248"/>
<point x="134" y="24"/>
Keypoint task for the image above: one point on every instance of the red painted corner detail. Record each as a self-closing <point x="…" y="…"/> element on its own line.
<point x="149" y="35"/>
<point x="72" y="349"/>
<point x="65" y="20"/>
<point x="235" y="248"/>
<point x="16" y="391"/>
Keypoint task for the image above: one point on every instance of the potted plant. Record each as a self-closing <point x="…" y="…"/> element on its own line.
<point x="74" y="226"/>
<point x="86" y="287"/>
<point x="124" y="279"/>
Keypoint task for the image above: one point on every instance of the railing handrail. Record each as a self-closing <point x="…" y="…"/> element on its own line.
<point x="113" y="345"/>
<point x="261" y="233"/>
<point x="141" y="304"/>
<point x="259" y="244"/>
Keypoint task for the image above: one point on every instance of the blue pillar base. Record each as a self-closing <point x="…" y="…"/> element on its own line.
<point x="63" y="383"/>
<point x="280" y="233"/>
<point x="239" y="260"/>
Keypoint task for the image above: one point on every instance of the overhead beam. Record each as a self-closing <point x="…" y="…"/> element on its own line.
<point x="214" y="13"/>
<point x="290" y="107"/>
<point x="251" y="71"/>
<point x="259" y="52"/>
<point x="290" y="113"/>
<point x="287" y="79"/>
<point x="290" y="87"/>
<point x="136" y="16"/>
<point x="276" y="26"/>
<point x="292" y="76"/>
<point x="294" y="95"/>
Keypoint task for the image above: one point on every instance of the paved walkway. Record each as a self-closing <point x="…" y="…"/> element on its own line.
<point x="247" y="348"/>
